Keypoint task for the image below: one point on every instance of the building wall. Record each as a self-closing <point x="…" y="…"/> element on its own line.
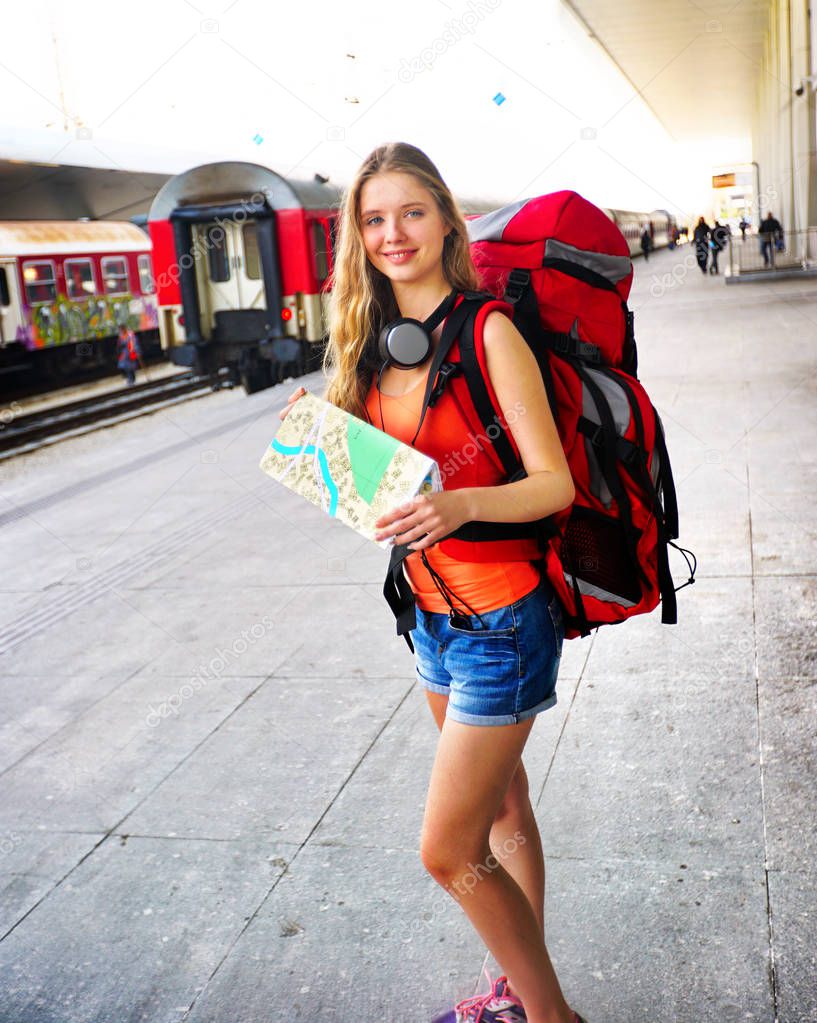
<point x="785" y="125"/>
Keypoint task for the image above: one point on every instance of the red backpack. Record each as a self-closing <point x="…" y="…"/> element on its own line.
<point x="565" y="268"/>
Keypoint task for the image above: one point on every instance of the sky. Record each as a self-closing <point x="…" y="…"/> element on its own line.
<point x="509" y="98"/>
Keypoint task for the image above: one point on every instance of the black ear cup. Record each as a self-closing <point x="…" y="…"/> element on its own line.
<point x="404" y="343"/>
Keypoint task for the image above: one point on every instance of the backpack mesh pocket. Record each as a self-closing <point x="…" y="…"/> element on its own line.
<point x="594" y="549"/>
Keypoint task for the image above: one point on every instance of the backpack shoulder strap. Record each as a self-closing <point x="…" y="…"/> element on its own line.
<point x="472" y="356"/>
<point x="471" y="303"/>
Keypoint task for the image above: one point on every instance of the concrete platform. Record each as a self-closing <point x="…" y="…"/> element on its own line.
<point x="214" y="756"/>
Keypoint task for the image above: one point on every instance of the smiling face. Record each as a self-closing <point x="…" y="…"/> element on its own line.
<point x="402" y="228"/>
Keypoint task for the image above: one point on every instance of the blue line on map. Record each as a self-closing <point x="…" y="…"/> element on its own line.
<point x="283" y="449"/>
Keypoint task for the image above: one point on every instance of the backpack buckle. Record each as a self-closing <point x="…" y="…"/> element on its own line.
<point x="588" y="351"/>
<point x="517" y="281"/>
<point x="596" y="438"/>
<point x="447" y="371"/>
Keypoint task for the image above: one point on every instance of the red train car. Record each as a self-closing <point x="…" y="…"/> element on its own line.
<point x="241" y="257"/>
<point x="66" y="287"/>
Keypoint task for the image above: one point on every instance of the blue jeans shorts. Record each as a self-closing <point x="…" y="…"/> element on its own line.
<point x="497" y="673"/>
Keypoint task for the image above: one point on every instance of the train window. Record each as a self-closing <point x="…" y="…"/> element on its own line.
<point x="5" y="297"/>
<point x="79" y="278"/>
<point x="218" y="258"/>
<point x="40" y="281"/>
<point x="145" y="275"/>
<point x="252" y="258"/>
<point x="319" y="248"/>
<point x="115" y="275"/>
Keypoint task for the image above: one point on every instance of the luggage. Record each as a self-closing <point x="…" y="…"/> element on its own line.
<point x="565" y="268"/>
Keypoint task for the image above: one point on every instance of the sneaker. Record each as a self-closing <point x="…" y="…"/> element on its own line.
<point x="499" y="1005"/>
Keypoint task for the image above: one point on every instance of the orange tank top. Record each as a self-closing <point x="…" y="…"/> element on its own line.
<point x="485" y="586"/>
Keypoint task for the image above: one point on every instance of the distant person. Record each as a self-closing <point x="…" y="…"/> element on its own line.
<point x="129" y="354"/>
<point x="744" y="227"/>
<point x="771" y="234"/>
<point x="700" y="237"/>
<point x="646" y="242"/>
<point x="717" y="243"/>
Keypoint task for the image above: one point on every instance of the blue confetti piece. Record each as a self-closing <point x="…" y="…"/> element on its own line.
<point x="499" y="99"/>
<point x="258" y="139"/>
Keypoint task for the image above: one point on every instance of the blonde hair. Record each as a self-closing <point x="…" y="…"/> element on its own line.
<point x="362" y="300"/>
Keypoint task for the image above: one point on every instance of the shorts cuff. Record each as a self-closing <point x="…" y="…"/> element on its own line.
<point x="498" y="719"/>
<point x="435" y="687"/>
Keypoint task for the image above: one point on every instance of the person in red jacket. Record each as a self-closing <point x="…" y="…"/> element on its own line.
<point x="129" y="354"/>
<point x="488" y="636"/>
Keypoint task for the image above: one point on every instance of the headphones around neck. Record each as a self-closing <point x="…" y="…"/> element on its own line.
<point x="406" y="343"/>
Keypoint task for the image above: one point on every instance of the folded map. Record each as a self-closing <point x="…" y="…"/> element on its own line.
<point x="350" y="469"/>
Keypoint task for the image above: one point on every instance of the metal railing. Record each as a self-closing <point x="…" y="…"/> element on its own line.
<point x="759" y="254"/>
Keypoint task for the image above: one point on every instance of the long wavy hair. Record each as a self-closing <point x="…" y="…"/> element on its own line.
<point x="362" y="300"/>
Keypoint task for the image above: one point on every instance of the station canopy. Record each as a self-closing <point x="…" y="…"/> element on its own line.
<point x="696" y="65"/>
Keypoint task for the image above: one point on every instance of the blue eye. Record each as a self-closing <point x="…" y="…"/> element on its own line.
<point x="375" y="218"/>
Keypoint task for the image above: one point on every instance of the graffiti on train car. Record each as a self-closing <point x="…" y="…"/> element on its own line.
<point x="64" y="322"/>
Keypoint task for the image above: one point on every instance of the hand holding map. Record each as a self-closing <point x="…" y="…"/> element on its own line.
<point x="350" y="469"/>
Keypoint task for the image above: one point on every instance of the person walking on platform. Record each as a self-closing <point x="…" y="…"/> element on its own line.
<point x="744" y="227"/>
<point x="129" y="354"/>
<point x="403" y="251"/>
<point x="771" y="232"/>
<point x="646" y="242"/>
<point x="700" y="237"/>
<point x="717" y="243"/>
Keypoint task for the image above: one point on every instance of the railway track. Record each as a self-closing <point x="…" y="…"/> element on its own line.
<point x="36" y="429"/>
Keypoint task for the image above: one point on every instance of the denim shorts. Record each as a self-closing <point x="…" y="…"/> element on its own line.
<point x="499" y="672"/>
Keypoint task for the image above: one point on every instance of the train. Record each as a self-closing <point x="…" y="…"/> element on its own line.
<point x="659" y="223"/>
<point x="242" y="258"/>
<point x="229" y="271"/>
<point x="66" y="287"/>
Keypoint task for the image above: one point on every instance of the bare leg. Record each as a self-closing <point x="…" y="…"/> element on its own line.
<point x="515" y="840"/>
<point x="514" y="818"/>
<point x="472" y="770"/>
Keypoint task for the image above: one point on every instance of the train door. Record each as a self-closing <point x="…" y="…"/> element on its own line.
<point x="10" y="312"/>
<point x="228" y="268"/>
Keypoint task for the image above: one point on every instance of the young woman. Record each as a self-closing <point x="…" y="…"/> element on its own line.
<point x="402" y="248"/>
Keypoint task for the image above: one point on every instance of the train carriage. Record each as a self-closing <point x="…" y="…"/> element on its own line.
<point x="242" y="257"/>
<point x="66" y="287"/>
<point x="659" y="223"/>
